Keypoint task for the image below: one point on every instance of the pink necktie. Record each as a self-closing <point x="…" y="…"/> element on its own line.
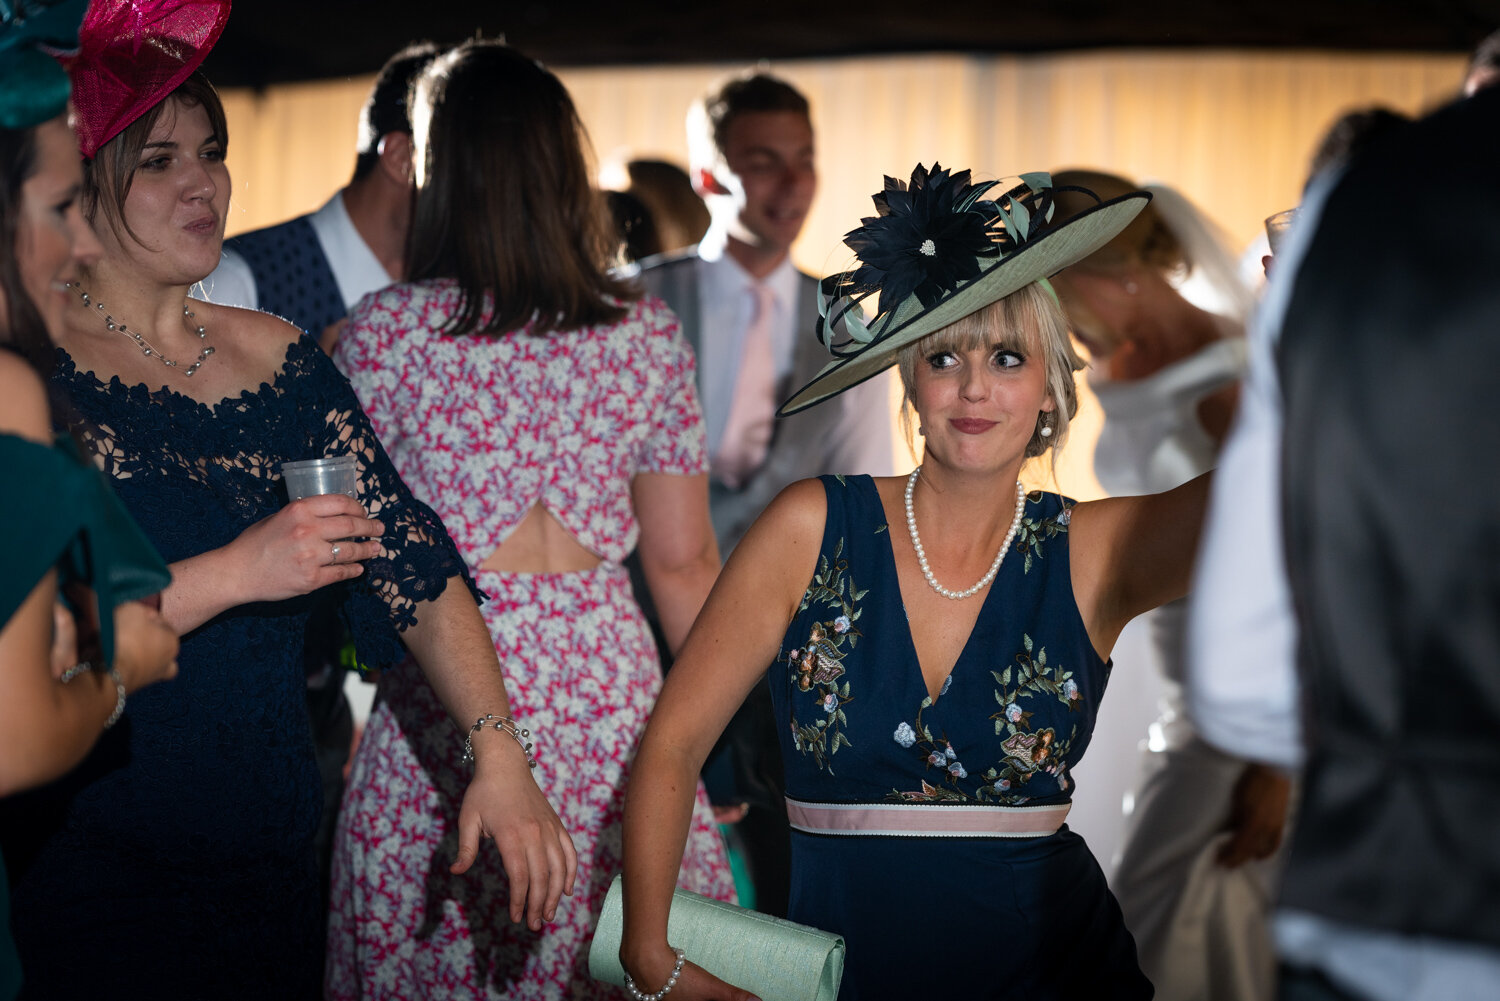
<point x="747" y="433"/>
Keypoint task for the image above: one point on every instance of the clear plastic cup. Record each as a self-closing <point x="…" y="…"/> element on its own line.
<point x="337" y="474"/>
<point x="1278" y="226"/>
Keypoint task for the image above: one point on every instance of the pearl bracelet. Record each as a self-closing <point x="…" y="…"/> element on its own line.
<point x="74" y="671"/>
<point x="639" y="995"/>
<point x="504" y="724"/>
<point x="84" y="666"/>
<point x="114" y="717"/>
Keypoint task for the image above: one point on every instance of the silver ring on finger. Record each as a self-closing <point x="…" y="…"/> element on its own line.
<point x="335" y="557"/>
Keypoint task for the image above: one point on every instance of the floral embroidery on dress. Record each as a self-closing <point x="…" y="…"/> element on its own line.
<point x="1026" y="752"/>
<point x="818" y="665"/>
<point x="1034" y="531"/>
<point x="939" y="754"/>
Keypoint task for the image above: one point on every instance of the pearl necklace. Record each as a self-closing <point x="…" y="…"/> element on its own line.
<point x="147" y="348"/>
<point x="916" y="542"/>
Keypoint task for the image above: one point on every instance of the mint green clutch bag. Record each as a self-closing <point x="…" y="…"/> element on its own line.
<point x="775" y="959"/>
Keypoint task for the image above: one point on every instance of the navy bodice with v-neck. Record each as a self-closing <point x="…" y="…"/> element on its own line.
<point x="947" y="916"/>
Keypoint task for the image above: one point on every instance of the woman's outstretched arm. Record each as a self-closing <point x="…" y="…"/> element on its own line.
<point x="727" y="652"/>
<point x="1130" y="554"/>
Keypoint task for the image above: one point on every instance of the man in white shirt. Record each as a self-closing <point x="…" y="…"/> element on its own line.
<point x="312" y="269"/>
<point x="1368" y="392"/>
<point x="749" y="315"/>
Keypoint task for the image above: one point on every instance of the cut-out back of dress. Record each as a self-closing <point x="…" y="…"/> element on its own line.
<point x="488" y="427"/>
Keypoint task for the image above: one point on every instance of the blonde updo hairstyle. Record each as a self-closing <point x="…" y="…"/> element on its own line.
<point x="1027" y="321"/>
<point x="1147" y="242"/>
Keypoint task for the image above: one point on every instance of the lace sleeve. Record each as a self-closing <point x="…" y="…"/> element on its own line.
<point x="419" y="558"/>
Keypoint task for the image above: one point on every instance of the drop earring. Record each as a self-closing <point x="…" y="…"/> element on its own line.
<point x="1046" y="430"/>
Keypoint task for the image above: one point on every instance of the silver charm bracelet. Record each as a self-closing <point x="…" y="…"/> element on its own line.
<point x="81" y="667"/>
<point x="504" y="724"/>
<point x="641" y="995"/>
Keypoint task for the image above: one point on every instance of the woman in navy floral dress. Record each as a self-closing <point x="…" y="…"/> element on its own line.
<point x="930" y="727"/>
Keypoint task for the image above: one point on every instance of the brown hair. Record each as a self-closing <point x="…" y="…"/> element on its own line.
<point x="21" y="327"/>
<point x="710" y="116"/>
<point x="680" y="216"/>
<point x="1026" y="321"/>
<point x="505" y="205"/>
<point x="384" y="110"/>
<point x="108" y="176"/>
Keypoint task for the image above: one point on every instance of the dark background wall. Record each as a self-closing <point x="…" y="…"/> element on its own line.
<point x="274" y="41"/>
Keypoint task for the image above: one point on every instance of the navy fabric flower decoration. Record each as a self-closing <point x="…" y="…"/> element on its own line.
<point x="927" y="239"/>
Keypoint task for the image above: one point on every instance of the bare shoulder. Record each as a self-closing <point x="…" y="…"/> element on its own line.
<point x="261" y="332"/>
<point x="1098" y="533"/>
<point x="770" y="567"/>
<point x="788" y="533"/>
<point x="800" y="509"/>
<point x="23" y="400"/>
<point x="1131" y="554"/>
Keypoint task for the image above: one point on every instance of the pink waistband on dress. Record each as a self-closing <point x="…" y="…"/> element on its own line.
<point x="927" y="820"/>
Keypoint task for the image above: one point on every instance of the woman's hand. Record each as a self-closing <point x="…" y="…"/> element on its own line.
<point x="310" y="543"/>
<point x="504" y="803"/>
<point x="1257" y="815"/>
<point x="290" y="553"/>
<point x="145" y="645"/>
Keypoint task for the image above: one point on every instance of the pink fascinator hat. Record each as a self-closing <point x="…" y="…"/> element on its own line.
<point x="131" y="55"/>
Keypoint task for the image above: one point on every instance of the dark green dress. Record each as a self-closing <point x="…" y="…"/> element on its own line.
<point x="68" y="518"/>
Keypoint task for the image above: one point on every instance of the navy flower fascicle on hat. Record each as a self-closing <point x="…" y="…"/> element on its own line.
<point x="927" y="238"/>
<point x="936" y="251"/>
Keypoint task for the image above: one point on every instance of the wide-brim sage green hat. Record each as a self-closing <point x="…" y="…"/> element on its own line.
<point x="938" y="251"/>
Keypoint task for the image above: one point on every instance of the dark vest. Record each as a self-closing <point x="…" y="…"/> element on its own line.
<point x="1392" y="512"/>
<point x="292" y="276"/>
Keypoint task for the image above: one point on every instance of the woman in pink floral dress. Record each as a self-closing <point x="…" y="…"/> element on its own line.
<point x="551" y="421"/>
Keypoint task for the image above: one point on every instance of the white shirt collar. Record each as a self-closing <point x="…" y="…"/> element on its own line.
<point x="727" y="280"/>
<point x="355" y="267"/>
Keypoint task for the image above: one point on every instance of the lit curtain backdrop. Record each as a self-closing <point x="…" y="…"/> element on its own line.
<point x="1232" y="130"/>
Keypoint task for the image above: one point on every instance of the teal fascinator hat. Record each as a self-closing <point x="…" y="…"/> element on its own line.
<point x="33" y="35"/>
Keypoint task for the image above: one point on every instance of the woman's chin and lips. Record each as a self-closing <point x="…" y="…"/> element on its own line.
<point x="971" y="426"/>
<point x="182" y="253"/>
<point x="200" y="245"/>
<point x="975" y="444"/>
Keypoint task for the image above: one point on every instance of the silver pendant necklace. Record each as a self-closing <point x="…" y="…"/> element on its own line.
<point x="147" y="348"/>
<point x="916" y="542"/>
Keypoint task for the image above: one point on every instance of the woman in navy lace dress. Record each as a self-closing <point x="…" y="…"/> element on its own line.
<point x="938" y="643"/>
<point x="179" y="857"/>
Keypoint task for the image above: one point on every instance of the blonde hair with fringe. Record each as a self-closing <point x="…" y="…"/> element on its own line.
<point x="1026" y="321"/>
